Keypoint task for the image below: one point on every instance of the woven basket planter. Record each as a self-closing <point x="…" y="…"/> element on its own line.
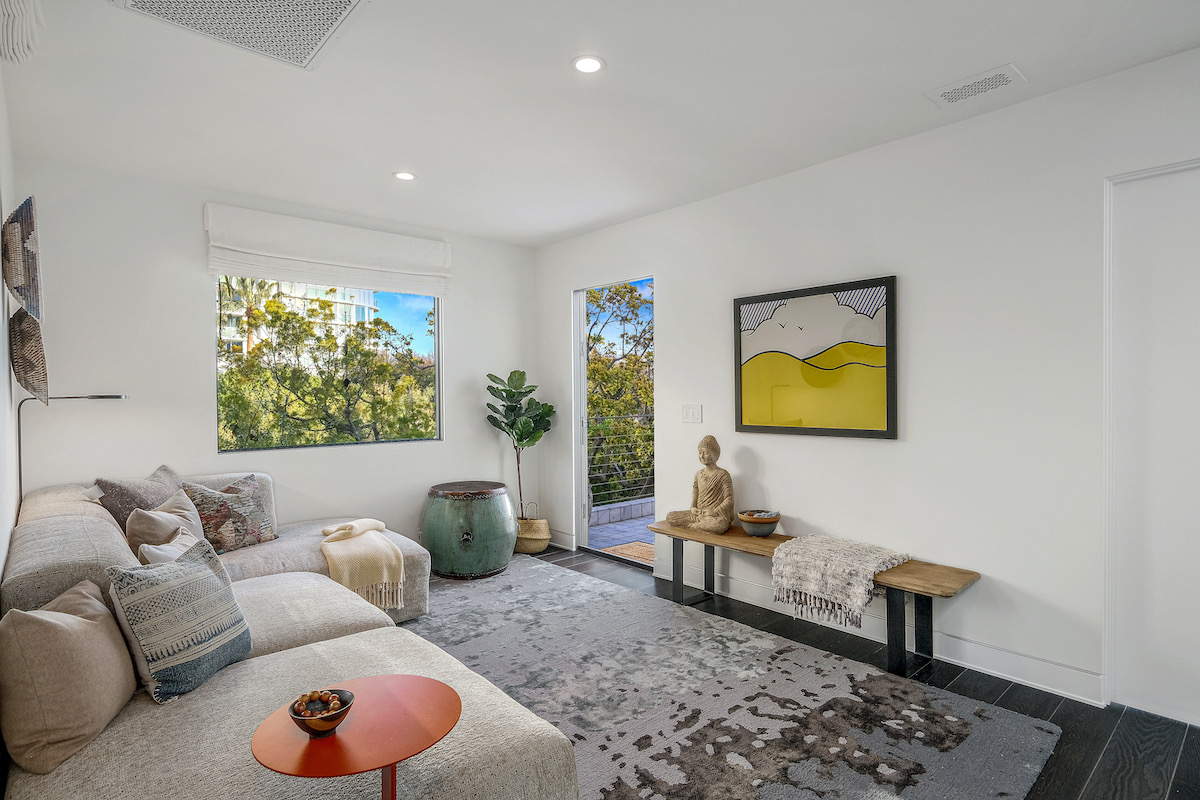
<point x="533" y="536"/>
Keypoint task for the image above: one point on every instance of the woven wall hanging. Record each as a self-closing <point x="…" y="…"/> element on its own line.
<point x="28" y="355"/>
<point x="19" y="253"/>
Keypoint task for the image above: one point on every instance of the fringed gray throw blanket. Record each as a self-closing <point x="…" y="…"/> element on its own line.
<point x="827" y="578"/>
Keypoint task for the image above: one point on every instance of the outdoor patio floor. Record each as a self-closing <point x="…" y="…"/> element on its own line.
<point x="623" y="532"/>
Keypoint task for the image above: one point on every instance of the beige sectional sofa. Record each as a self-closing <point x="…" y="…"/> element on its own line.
<point x="306" y="631"/>
<point x="60" y="521"/>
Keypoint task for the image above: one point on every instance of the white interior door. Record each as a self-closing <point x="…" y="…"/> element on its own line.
<point x="1152" y="651"/>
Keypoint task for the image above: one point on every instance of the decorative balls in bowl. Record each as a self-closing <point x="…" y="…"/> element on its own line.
<point x="320" y="711"/>
<point x="757" y="522"/>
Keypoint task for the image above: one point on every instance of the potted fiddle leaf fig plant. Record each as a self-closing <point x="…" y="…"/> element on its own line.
<point x="524" y="420"/>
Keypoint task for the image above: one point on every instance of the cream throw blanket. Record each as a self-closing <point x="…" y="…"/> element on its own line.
<point x="365" y="561"/>
<point x="828" y="578"/>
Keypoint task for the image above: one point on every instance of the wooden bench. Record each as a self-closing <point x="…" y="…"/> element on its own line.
<point x="923" y="580"/>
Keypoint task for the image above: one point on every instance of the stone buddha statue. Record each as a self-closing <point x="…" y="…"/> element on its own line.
<point x="712" y="494"/>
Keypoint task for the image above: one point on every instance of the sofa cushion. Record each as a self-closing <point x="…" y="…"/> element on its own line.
<point x="50" y="555"/>
<point x="298" y="549"/>
<point x="235" y="516"/>
<point x="122" y="496"/>
<point x="498" y="750"/>
<point x="180" y="619"/>
<point x="160" y="525"/>
<point x="67" y="500"/>
<point x="64" y="674"/>
<point x="298" y="608"/>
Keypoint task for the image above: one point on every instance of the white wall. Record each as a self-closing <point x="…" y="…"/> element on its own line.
<point x="131" y="309"/>
<point x="994" y="227"/>
<point x="10" y="388"/>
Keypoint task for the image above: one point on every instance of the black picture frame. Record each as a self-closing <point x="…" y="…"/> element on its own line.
<point x="826" y="355"/>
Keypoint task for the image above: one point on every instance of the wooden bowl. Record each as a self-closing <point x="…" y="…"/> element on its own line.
<point x="322" y="726"/>
<point x="758" y="525"/>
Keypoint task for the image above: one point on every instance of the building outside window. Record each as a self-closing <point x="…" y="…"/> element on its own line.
<point x="303" y="364"/>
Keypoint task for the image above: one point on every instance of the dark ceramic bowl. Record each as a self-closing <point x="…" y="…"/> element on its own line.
<point x="320" y="727"/>
<point x="758" y="525"/>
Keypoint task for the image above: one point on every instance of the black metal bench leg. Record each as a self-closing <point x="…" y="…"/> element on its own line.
<point x="923" y="620"/>
<point x="710" y="569"/>
<point x="895" y="631"/>
<point x="677" y="570"/>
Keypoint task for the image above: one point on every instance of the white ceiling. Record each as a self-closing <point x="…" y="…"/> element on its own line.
<point x="478" y="99"/>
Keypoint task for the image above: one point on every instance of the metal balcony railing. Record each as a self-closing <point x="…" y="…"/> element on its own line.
<point x="620" y="458"/>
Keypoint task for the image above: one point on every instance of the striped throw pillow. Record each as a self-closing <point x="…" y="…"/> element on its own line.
<point x="180" y="619"/>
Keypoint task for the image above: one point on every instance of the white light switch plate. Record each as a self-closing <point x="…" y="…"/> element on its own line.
<point x="693" y="412"/>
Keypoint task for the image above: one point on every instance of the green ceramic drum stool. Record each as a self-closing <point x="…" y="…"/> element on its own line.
<point x="469" y="528"/>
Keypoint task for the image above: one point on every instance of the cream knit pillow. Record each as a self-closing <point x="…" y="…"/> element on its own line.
<point x="65" y="672"/>
<point x="160" y="525"/>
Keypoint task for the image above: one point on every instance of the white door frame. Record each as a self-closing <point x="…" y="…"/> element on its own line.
<point x="579" y="403"/>
<point x="1111" y="511"/>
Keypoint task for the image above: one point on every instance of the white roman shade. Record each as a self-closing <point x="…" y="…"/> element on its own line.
<point x="256" y="244"/>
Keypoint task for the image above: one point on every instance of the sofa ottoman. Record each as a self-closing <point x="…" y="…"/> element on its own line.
<point x="299" y="608"/>
<point x="498" y="750"/>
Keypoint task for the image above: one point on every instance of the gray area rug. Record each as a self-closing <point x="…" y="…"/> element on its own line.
<point x="666" y="702"/>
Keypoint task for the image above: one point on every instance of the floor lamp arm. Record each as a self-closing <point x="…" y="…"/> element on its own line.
<point x="20" y="465"/>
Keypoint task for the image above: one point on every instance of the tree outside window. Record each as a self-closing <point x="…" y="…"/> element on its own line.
<point x="303" y="365"/>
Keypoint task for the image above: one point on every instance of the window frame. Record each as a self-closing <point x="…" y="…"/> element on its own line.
<point x="436" y="355"/>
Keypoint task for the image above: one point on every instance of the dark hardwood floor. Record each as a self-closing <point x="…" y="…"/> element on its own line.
<point x="1113" y="753"/>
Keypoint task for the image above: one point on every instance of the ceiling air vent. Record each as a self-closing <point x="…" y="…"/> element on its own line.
<point x="972" y="87"/>
<point x="292" y="31"/>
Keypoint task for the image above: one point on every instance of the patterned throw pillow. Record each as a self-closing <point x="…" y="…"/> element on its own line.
<point x="121" y="497"/>
<point x="180" y="619"/>
<point x="233" y="517"/>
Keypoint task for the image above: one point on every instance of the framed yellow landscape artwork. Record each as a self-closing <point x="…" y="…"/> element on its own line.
<point x="819" y="361"/>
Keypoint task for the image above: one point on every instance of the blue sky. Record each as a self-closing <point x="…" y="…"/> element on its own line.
<point x="407" y="313"/>
<point x="646" y="288"/>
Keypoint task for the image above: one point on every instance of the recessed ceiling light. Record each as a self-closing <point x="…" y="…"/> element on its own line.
<point x="404" y="176"/>
<point x="588" y="63"/>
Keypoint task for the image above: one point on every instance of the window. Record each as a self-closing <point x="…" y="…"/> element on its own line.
<point x="302" y="364"/>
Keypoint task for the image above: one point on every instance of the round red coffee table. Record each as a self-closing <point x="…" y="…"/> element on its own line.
<point x="394" y="717"/>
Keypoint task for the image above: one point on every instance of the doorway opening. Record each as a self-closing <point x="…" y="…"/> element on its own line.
<point x="1150" y="454"/>
<point x="616" y="419"/>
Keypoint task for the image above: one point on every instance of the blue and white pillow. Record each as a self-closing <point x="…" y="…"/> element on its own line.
<point x="180" y="619"/>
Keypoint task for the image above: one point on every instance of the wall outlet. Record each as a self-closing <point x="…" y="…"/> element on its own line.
<point x="693" y="412"/>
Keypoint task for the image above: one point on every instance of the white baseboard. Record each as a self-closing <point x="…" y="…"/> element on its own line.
<point x="1029" y="670"/>
<point x="560" y="539"/>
